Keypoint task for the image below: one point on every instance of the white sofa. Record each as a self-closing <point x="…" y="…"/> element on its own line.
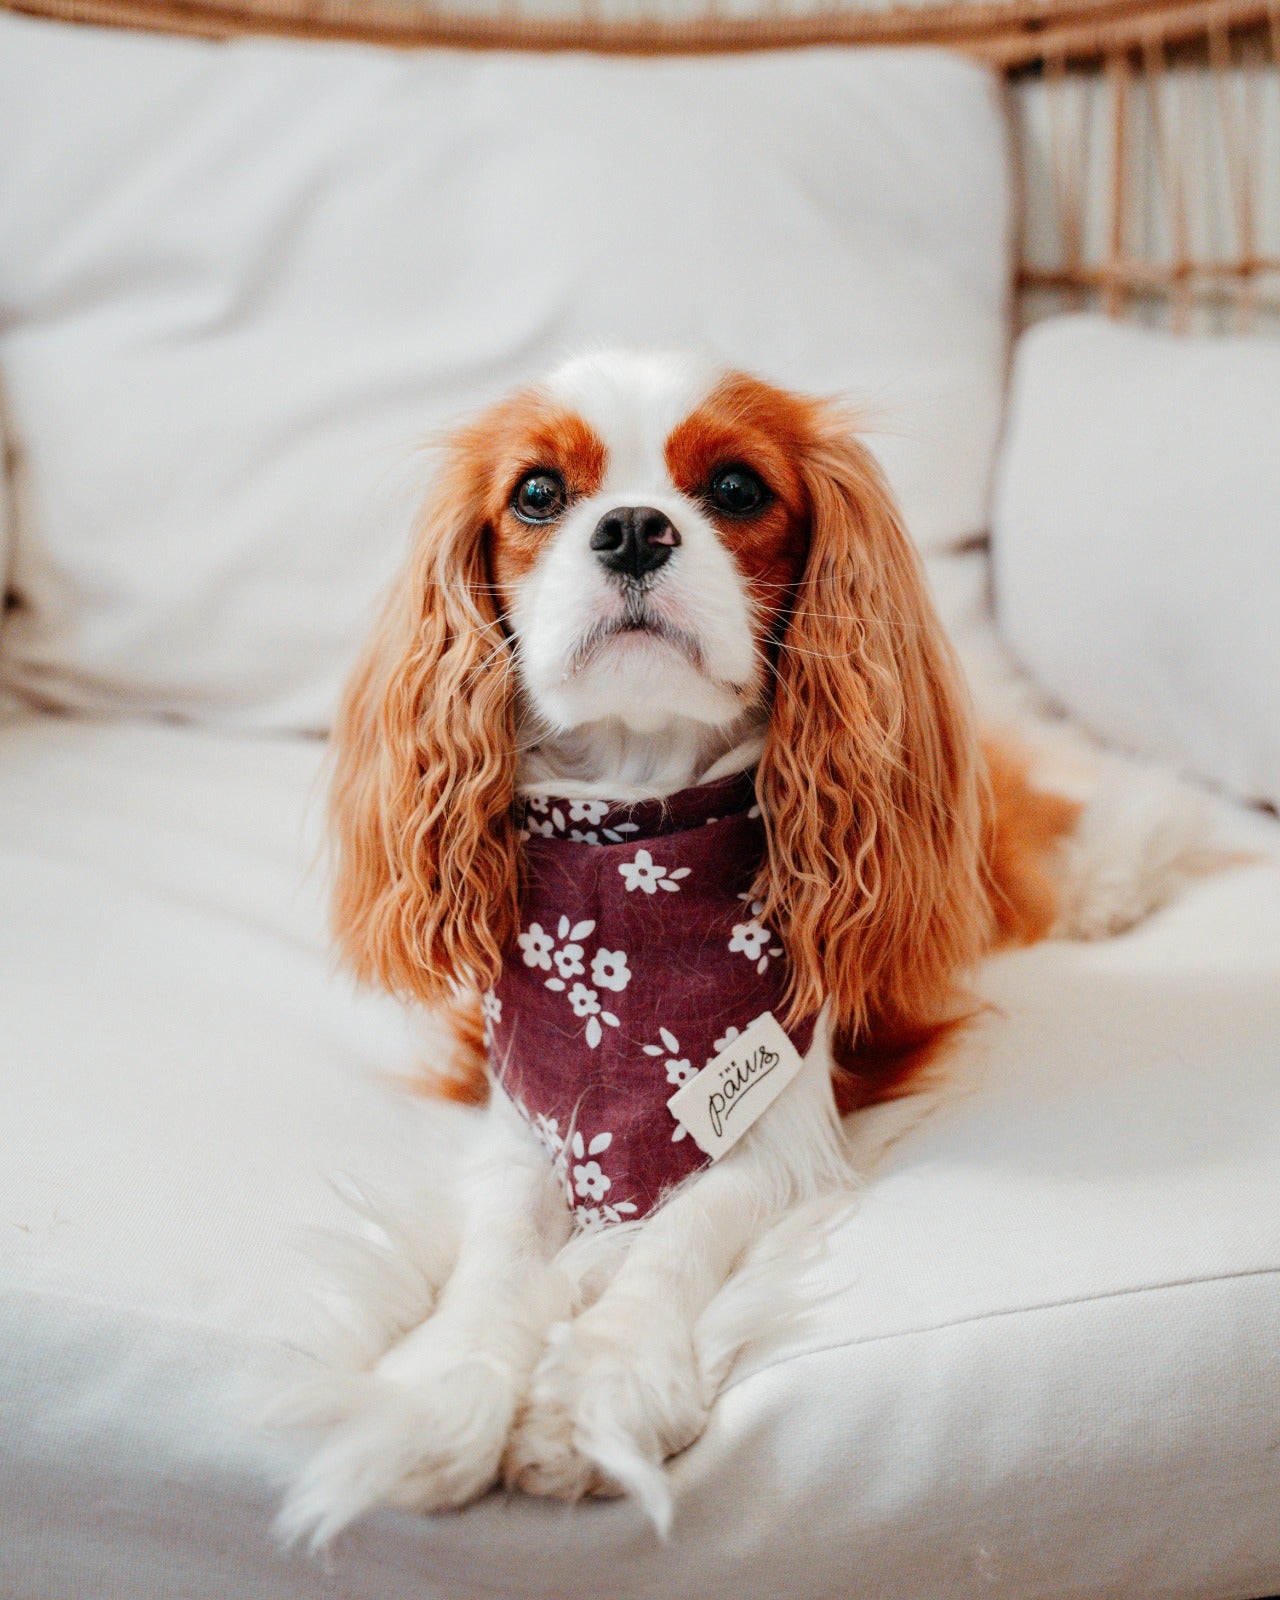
<point x="1042" y="1354"/>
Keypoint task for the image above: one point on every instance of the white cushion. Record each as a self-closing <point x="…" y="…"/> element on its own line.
<point x="1040" y="1359"/>
<point x="6" y="536"/>
<point x="1137" y="540"/>
<point x="239" y="283"/>
<point x="6" y="516"/>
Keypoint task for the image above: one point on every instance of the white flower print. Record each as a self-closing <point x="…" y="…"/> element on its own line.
<point x="730" y="1034"/>
<point x="679" y="1068"/>
<point x="750" y="938"/>
<point x="532" y="826"/>
<point x="645" y="873"/>
<point x="537" y="802"/>
<point x="614" y="835"/>
<point x="568" y="960"/>
<point x="589" y="1181"/>
<point x="537" y="946"/>
<point x="753" y="938"/>
<point x="589" y="1217"/>
<point x="585" y="1002"/>
<point x="576" y="836"/>
<point x="642" y="873"/>
<point x="491" y="1012"/>
<point x="592" y="811"/>
<point x="609" y="969"/>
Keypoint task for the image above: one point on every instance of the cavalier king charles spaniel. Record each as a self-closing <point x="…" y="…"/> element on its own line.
<point x="658" y="744"/>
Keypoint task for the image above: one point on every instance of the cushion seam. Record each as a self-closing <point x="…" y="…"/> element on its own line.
<point x="1007" y="1311"/>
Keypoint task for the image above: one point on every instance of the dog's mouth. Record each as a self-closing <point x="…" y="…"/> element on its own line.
<point x="635" y="623"/>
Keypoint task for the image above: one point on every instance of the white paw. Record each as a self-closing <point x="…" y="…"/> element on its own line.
<point x="428" y="1442"/>
<point x="615" y="1394"/>
<point x="381" y="1280"/>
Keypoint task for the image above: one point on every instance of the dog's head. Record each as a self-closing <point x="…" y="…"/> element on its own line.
<point x="647" y="526"/>
<point x="645" y="541"/>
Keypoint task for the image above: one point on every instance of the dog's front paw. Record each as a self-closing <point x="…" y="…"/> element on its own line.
<point x="381" y="1280"/>
<point x="615" y="1394"/>
<point x="426" y="1440"/>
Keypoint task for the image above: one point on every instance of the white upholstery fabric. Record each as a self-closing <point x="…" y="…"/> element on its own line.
<point x="240" y="283"/>
<point x="6" y="534"/>
<point x="1137" y="540"/>
<point x="1041" y="1355"/>
<point x="6" y="520"/>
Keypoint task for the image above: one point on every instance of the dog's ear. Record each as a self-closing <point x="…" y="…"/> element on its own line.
<point x="421" y="801"/>
<point x="870" y="778"/>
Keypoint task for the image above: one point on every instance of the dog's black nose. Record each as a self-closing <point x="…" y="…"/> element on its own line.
<point x="634" y="540"/>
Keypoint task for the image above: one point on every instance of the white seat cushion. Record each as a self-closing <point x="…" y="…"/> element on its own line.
<point x="1042" y="1354"/>
<point x="241" y="283"/>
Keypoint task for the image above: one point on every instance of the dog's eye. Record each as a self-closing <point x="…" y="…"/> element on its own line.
<point x="737" y="492"/>
<point x="539" y="498"/>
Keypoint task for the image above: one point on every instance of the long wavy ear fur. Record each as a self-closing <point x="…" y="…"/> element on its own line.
<point x="424" y="763"/>
<point x="871" y="775"/>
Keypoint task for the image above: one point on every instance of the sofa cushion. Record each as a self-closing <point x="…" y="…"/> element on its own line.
<point x="241" y="283"/>
<point x="1137" y="541"/>
<point x="1040" y="1358"/>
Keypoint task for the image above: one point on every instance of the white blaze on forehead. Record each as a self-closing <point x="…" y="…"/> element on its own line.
<point x="634" y="400"/>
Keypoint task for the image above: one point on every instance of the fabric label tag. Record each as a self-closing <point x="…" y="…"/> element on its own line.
<point x="736" y="1087"/>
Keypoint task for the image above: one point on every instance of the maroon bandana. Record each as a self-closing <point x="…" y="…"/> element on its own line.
<point x="640" y="957"/>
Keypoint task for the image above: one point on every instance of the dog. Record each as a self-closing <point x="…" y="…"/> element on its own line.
<point x="655" y="612"/>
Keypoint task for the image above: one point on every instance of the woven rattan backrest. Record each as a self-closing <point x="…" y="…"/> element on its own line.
<point x="1148" y="133"/>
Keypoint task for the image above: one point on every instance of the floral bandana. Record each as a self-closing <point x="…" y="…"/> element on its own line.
<point x="640" y="957"/>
